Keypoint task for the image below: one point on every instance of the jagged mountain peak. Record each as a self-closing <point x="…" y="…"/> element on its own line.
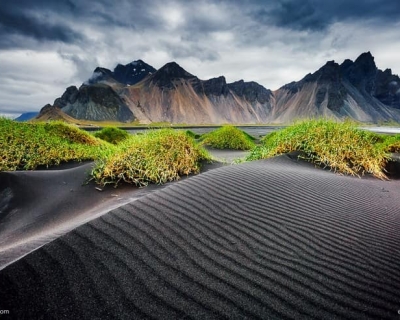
<point x="128" y="74"/>
<point x="165" y="76"/>
<point x="355" y="89"/>
<point x="138" y="63"/>
<point x="214" y="86"/>
<point x="365" y="63"/>
<point x="388" y="72"/>
<point x="134" y="64"/>
<point x="102" y="70"/>
<point x="100" y="74"/>
<point x="365" y="57"/>
<point x="328" y="72"/>
<point x="362" y="72"/>
<point x="362" y="69"/>
<point x="245" y="85"/>
<point x="330" y="63"/>
<point x="329" y="67"/>
<point x="132" y="72"/>
<point x="69" y="96"/>
<point x="174" y="70"/>
<point x="251" y="91"/>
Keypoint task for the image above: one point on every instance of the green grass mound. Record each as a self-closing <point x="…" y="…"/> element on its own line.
<point x="112" y="135"/>
<point x="26" y="146"/>
<point x="340" y="146"/>
<point x="228" y="137"/>
<point x="69" y="133"/>
<point x="391" y="143"/>
<point x="157" y="156"/>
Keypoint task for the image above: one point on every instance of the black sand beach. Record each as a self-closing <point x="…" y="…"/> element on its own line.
<point x="271" y="239"/>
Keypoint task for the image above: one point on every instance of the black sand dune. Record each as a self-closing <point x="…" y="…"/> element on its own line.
<point x="38" y="206"/>
<point x="272" y="239"/>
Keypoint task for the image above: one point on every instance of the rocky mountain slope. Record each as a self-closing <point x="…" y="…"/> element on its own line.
<point x="357" y="90"/>
<point x="128" y="74"/>
<point x="49" y="112"/>
<point x="96" y="102"/>
<point x="174" y="95"/>
<point x="137" y="91"/>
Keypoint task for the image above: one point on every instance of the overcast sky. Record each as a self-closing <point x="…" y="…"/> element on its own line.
<point x="47" y="45"/>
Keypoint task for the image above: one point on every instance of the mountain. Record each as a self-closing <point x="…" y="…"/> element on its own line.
<point x="97" y="99"/>
<point x="97" y="102"/>
<point x="128" y="74"/>
<point x="49" y="112"/>
<point x="174" y="95"/>
<point x="357" y="90"/>
<point x="26" y="116"/>
<point x="137" y="91"/>
<point x="169" y="94"/>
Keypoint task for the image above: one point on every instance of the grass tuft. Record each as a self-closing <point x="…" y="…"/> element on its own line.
<point x="157" y="156"/>
<point x="25" y="146"/>
<point x="69" y="133"/>
<point x="112" y="135"/>
<point x="340" y="146"/>
<point x="228" y="137"/>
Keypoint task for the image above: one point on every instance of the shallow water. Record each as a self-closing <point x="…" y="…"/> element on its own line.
<point x="387" y="130"/>
<point x="255" y="131"/>
<point x="258" y="131"/>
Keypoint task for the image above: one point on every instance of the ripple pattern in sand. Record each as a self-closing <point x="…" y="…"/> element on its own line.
<point x="274" y="239"/>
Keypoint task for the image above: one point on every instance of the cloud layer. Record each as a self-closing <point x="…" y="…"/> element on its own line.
<point x="47" y="45"/>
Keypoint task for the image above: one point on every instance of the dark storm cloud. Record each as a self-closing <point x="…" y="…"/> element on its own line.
<point x="319" y="14"/>
<point x="29" y="18"/>
<point x="47" y="45"/>
<point x="15" y="22"/>
<point x="119" y="13"/>
<point x="38" y="20"/>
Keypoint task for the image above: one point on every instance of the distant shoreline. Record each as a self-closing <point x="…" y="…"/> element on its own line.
<point x="266" y="128"/>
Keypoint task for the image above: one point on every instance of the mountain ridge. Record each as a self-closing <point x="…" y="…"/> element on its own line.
<point x="139" y="92"/>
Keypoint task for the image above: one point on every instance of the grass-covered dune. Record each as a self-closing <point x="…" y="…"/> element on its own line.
<point x="157" y="156"/>
<point x="112" y="135"/>
<point x="340" y="146"/>
<point x="26" y="146"/>
<point x="228" y="137"/>
<point x="163" y="155"/>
